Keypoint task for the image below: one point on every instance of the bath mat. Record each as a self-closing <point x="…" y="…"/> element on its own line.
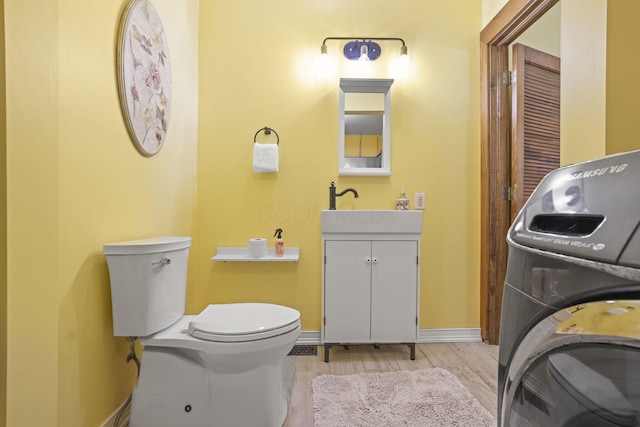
<point x="424" y="398"/>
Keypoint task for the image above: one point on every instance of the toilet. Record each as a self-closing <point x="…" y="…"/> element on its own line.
<point x="223" y="367"/>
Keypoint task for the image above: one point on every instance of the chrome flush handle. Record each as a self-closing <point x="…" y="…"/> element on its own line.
<point x="163" y="261"/>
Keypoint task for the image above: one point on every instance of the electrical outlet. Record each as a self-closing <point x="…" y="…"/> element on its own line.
<point x="419" y="200"/>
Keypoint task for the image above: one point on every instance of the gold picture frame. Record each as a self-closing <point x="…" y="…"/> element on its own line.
<point x="144" y="76"/>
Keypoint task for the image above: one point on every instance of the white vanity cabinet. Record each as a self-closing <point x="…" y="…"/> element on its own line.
<point x="371" y="287"/>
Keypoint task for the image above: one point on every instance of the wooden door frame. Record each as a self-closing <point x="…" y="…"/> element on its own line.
<point x="495" y="171"/>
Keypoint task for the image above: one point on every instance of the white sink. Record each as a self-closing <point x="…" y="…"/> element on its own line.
<point x="371" y="221"/>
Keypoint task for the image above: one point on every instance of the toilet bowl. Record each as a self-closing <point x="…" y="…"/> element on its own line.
<point x="222" y="367"/>
<point x="228" y="373"/>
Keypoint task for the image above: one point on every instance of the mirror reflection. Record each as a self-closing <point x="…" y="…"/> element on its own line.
<point x="363" y="123"/>
<point x="364" y="144"/>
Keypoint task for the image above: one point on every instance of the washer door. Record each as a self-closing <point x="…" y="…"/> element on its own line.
<point x="578" y="367"/>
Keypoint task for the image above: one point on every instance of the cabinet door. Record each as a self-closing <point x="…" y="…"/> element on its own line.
<point x="347" y="291"/>
<point x="394" y="290"/>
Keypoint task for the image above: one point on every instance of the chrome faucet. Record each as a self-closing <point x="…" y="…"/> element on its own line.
<point x="333" y="195"/>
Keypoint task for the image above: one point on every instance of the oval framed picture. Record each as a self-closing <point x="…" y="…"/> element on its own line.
<point x="144" y="76"/>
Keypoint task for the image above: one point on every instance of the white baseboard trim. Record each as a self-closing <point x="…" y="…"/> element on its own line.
<point x="124" y="420"/>
<point x="424" y="336"/>
<point x="309" y="338"/>
<point x="449" y="335"/>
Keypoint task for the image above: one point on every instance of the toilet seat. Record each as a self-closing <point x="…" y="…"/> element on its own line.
<point x="243" y="322"/>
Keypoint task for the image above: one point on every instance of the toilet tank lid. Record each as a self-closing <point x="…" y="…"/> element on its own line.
<point x="148" y="246"/>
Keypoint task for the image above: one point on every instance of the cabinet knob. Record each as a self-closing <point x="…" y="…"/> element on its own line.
<point x="375" y="260"/>
<point x="368" y="260"/>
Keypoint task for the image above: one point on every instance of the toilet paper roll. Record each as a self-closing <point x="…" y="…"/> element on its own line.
<point x="257" y="247"/>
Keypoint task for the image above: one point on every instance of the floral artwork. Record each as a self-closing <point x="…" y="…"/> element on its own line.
<point x="144" y="76"/>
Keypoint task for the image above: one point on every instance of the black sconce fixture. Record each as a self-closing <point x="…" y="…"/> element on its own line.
<point x="363" y="48"/>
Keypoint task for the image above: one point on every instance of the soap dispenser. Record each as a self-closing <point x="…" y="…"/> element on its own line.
<point x="279" y="242"/>
<point x="402" y="202"/>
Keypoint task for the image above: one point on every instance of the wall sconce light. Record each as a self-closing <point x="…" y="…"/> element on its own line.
<point x="363" y="48"/>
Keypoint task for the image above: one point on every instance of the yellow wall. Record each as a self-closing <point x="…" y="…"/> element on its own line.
<point x="257" y="70"/>
<point x="623" y="90"/>
<point x="544" y="34"/>
<point x="599" y="99"/>
<point x="490" y="8"/>
<point x="74" y="182"/>
<point x="32" y="211"/>
<point x="583" y="80"/>
<point x="3" y="227"/>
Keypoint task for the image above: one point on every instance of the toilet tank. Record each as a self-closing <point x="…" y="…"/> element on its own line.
<point x="148" y="283"/>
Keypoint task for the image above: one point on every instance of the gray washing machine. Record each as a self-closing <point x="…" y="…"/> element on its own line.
<point x="570" y="329"/>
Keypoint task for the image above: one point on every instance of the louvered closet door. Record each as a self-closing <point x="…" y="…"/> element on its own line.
<point x="535" y="142"/>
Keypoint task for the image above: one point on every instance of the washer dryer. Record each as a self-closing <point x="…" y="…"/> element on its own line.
<point x="570" y="329"/>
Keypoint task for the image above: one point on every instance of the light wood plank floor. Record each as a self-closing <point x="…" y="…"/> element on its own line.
<point x="475" y="365"/>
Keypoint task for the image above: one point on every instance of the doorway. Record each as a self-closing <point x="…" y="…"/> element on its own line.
<point x="512" y="20"/>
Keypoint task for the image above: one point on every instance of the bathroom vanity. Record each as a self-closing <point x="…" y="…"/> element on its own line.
<point x="371" y="280"/>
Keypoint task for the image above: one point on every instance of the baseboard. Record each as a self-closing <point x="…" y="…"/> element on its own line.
<point x="124" y="420"/>
<point x="424" y="336"/>
<point x="309" y="338"/>
<point x="449" y="335"/>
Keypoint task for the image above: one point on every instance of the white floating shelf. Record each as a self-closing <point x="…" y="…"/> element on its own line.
<point x="242" y="254"/>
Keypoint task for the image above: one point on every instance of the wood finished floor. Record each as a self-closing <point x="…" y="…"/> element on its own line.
<point x="475" y="365"/>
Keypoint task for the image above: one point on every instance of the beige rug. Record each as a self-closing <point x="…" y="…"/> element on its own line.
<point x="430" y="397"/>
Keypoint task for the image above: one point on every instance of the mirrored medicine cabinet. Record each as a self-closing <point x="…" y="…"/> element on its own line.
<point x="364" y="142"/>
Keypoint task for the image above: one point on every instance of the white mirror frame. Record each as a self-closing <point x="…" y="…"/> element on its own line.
<point x="366" y="86"/>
